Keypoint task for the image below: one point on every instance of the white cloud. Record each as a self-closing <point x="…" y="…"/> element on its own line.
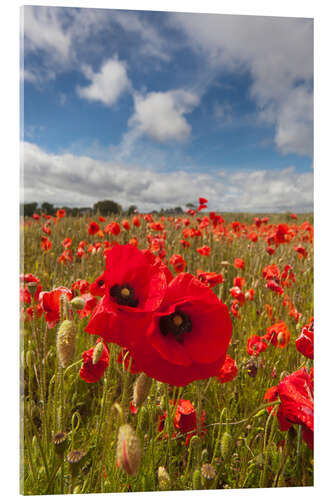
<point x="108" y="84"/>
<point x="80" y="180"/>
<point x="160" y="114"/>
<point x="278" y="52"/>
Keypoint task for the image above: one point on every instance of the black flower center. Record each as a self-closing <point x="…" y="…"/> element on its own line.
<point x="177" y="324"/>
<point x="100" y="282"/>
<point x="124" y="295"/>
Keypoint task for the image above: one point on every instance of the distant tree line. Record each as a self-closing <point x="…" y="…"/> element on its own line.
<point x="104" y="207"/>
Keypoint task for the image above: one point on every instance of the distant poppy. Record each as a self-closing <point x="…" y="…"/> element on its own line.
<point x="304" y="343"/>
<point x="50" y="303"/>
<point x="91" y="372"/>
<point x="67" y="242"/>
<point x="256" y="345"/>
<point x="204" y="251"/>
<point x="61" y="213"/>
<point x="93" y="228"/>
<point x="113" y="228"/>
<point x="228" y="370"/>
<point x="278" y="335"/>
<point x="178" y="263"/>
<point x="202" y="201"/>
<point x="45" y="244"/>
<point x="126" y="225"/>
<point x="239" y="263"/>
<point x="210" y="279"/>
<point x="136" y="221"/>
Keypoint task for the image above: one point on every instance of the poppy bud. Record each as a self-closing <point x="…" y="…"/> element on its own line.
<point x="66" y="342"/>
<point x="196" y="480"/>
<point x="226" y="445"/>
<point x="128" y="450"/>
<point x="204" y="455"/>
<point x="163" y="479"/>
<point x="98" y="351"/>
<point x="280" y="338"/>
<point x="77" y="304"/>
<point x="32" y="287"/>
<point x="141" y="389"/>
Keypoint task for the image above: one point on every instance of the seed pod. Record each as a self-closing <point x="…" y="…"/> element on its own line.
<point x="128" y="450"/>
<point x="66" y="342"/>
<point x="196" y="480"/>
<point x="226" y="445"/>
<point x="141" y="389"/>
<point x="32" y="287"/>
<point x="59" y="441"/>
<point x="98" y="351"/>
<point x="77" y="304"/>
<point x="163" y="479"/>
<point x="74" y="458"/>
<point x="208" y="472"/>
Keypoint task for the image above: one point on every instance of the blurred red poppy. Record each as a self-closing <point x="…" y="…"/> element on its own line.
<point x="278" y="335"/>
<point x="93" y="228"/>
<point x="50" y="303"/>
<point x="91" y="372"/>
<point x="239" y="263"/>
<point x="304" y="343"/>
<point x="205" y="250"/>
<point x="210" y="279"/>
<point x="256" y="345"/>
<point x="178" y="263"/>
<point x="113" y="228"/>
<point x="228" y="370"/>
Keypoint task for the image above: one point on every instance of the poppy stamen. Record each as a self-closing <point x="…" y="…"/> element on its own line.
<point x="177" y="324"/>
<point x="124" y="295"/>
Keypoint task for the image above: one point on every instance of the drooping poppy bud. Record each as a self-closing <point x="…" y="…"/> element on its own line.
<point x="66" y="342"/>
<point x="128" y="450"/>
<point x="141" y="389"/>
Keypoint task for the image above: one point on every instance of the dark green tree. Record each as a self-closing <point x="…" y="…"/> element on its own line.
<point x="107" y="207"/>
<point x="29" y="209"/>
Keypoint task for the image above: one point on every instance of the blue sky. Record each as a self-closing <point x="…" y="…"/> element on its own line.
<point x="156" y="109"/>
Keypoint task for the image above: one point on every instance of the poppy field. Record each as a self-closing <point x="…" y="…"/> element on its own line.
<point x="166" y="352"/>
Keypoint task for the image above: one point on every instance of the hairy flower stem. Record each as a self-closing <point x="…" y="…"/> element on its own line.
<point x="168" y="426"/>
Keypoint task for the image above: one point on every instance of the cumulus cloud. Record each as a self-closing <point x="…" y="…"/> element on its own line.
<point x="66" y="179"/>
<point x="160" y="115"/>
<point x="278" y="53"/>
<point x="106" y="85"/>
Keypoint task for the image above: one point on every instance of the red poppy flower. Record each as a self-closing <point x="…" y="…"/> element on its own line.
<point x="136" y="221"/>
<point x="80" y="285"/>
<point x="67" y="242"/>
<point x="239" y="263"/>
<point x="293" y="216"/>
<point x="50" y="303"/>
<point x="66" y="256"/>
<point x="93" y="228"/>
<point x="176" y="348"/>
<point x="185" y="420"/>
<point x="35" y="216"/>
<point x="270" y="250"/>
<point x="113" y="228"/>
<point x="101" y="219"/>
<point x="210" y="279"/>
<point x="178" y="263"/>
<point x="46" y="230"/>
<point x="133" y="288"/>
<point x="37" y="310"/>
<point x="156" y="261"/>
<point x="235" y="308"/>
<point x="205" y="251"/>
<point x="228" y="370"/>
<point x="304" y="343"/>
<point x="30" y="278"/>
<point x="249" y="294"/>
<point x="278" y="335"/>
<point x="271" y="272"/>
<point x="274" y="286"/>
<point x="93" y="372"/>
<point x="156" y="226"/>
<point x="45" y="244"/>
<point x="61" y="213"/>
<point x="201" y="207"/>
<point x="256" y="345"/>
<point x="126" y="225"/>
<point x="202" y="201"/>
<point x="297" y="406"/>
<point x="239" y="282"/>
<point x="90" y="303"/>
<point x="237" y="293"/>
